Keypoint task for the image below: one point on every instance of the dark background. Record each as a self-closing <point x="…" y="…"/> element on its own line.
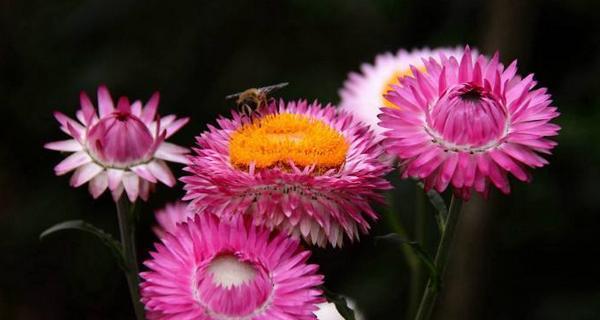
<point x="530" y="255"/>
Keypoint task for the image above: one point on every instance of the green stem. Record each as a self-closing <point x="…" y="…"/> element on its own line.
<point x="441" y="259"/>
<point x="416" y="279"/>
<point x="127" y="230"/>
<point x="394" y="223"/>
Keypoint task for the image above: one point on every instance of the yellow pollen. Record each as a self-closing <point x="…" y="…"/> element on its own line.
<point x="393" y="80"/>
<point x="275" y="140"/>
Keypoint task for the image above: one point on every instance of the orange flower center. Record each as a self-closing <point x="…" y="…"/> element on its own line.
<point x="393" y="81"/>
<point x="275" y="140"/>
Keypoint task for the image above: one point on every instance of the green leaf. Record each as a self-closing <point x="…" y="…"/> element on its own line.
<point x="434" y="273"/>
<point x="113" y="245"/>
<point x="340" y="304"/>
<point x="439" y="204"/>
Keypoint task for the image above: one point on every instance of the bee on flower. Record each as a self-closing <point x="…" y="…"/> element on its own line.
<point x="309" y="170"/>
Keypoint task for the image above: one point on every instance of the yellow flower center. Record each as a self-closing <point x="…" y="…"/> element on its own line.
<point x="275" y="140"/>
<point x="393" y="81"/>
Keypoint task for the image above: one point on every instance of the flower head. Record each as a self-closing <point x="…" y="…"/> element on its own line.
<point x="308" y="170"/>
<point x="362" y="94"/>
<point x="218" y="270"/>
<point x="122" y="148"/>
<point x="170" y="216"/>
<point x="468" y="123"/>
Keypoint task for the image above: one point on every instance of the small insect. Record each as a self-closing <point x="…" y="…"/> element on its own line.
<point x="252" y="100"/>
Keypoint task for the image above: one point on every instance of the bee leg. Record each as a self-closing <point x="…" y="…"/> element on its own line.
<point x="262" y="105"/>
<point x="246" y="110"/>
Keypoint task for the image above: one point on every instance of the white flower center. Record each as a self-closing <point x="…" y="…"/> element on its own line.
<point x="228" y="271"/>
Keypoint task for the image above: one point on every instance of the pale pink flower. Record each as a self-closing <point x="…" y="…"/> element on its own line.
<point x="122" y="148"/>
<point x="170" y="216"/>
<point x="328" y="311"/>
<point x="362" y="94"/>
<point x="304" y="169"/>
<point x="211" y="269"/>
<point x="468" y="123"/>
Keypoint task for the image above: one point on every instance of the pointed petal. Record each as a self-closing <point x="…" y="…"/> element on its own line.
<point x="149" y="111"/>
<point x="114" y="178"/>
<point x="131" y="182"/>
<point x="85" y="173"/>
<point x="87" y="107"/>
<point x="172" y="152"/>
<point x="123" y="105"/>
<point x="71" y="162"/>
<point x="176" y="125"/>
<point x="136" y="108"/>
<point x="161" y="171"/>
<point x="466" y="65"/>
<point x="145" y="187"/>
<point x="98" y="184"/>
<point x="143" y="171"/>
<point x="70" y="145"/>
<point x="66" y="122"/>
<point x="116" y="193"/>
<point x="105" y="102"/>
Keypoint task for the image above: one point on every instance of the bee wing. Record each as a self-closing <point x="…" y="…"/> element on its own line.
<point x="233" y="95"/>
<point x="273" y="87"/>
<point x="266" y="89"/>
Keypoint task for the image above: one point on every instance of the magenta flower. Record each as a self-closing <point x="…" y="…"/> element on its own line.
<point x="213" y="269"/>
<point x="362" y="94"/>
<point x="120" y="148"/>
<point x="308" y="170"/>
<point x="469" y="123"/>
<point x="170" y="216"/>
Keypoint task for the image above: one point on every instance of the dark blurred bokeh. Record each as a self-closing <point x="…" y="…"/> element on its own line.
<point x="530" y="255"/>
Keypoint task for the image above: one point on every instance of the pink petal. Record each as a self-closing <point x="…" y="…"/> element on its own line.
<point x="116" y="193"/>
<point x="143" y="171"/>
<point x="499" y="178"/>
<point x="523" y="154"/>
<point x="64" y="145"/>
<point x="66" y="122"/>
<point x="172" y="152"/>
<point x="161" y="171"/>
<point x="149" y="111"/>
<point x="75" y="132"/>
<point x="114" y="178"/>
<point x="175" y="126"/>
<point x="87" y="107"/>
<point x="105" y="102"/>
<point x="165" y="121"/>
<point x="466" y="65"/>
<point x="123" y="105"/>
<point x="145" y="187"/>
<point x="131" y="182"/>
<point x="98" y="184"/>
<point x="506" y="163"/>
<point x="85" y="173"/>
<point x="136" y="108"/>
<point x="71" y="162"/>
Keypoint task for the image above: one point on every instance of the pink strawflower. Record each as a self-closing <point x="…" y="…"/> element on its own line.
<point x="308" y="170"/>
<point x="469" y="123"/>
<point x="214" y="269"/>
<point x="362" y="94"/>
<point x="120" y="148"/>
<point x="170" y="216"/>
